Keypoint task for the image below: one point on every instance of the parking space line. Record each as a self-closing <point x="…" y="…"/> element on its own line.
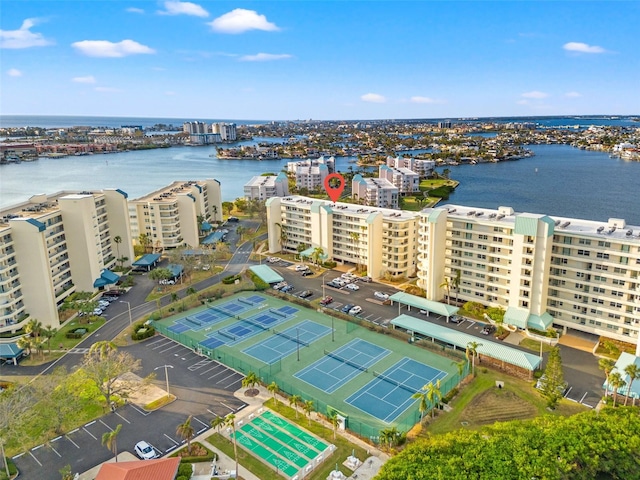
<point x="169" y="348"/>
<point x="95" y="438"/>
<point x="33" y="456"/>
<point x="176" y="443"/>
<point x="209" y="369"/>
<point x="219" y="373"/>
<point x="222" y="403"/>
<point x="111" y="429"/>
<point x="472" y="323"/>
<point x="141" y="412"/>
<point x="241" y="407"/>
<point x="69" y="438"/>
<point x="55" y="451"/>
<point x="228" y="376"/>
<point x="229" y="384"/>
<point x="123" y="418"/>
<point x="56" y="439"/>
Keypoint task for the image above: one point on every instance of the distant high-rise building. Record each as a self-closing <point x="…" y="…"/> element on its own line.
<point x="227" y="131"/>
<point x="263" y="187"/>
<point x="194" y="128"/>
<point x="444" y="124"/>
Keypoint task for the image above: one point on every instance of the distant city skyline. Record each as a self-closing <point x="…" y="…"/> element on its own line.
<point x="319" y="60"/>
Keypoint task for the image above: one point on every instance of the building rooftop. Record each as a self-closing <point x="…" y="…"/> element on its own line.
<point x="352" y="209"/>
<point x="168" y="193"/>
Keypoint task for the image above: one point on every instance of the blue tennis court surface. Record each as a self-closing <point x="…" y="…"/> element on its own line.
<point x="338" y="367"/>
<point x="283" y="344"/>
<point x="389" y="394"/>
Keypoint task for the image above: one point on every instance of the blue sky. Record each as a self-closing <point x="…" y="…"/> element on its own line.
<point x="321" y="60"/>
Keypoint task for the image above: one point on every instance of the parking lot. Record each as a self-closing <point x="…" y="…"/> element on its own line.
<point x="204" y="389"/>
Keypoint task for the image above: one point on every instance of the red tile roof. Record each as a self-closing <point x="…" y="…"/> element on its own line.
<point x="159" y="469"/>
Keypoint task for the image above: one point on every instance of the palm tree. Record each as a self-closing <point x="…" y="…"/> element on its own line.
<point x="293" y="401"/>
<point x="606" y="364"/>
<point x="250" y="381"/>
<point x="186" y="431"/>
<point x="33" y="328"/>
<point x="422" y="396"/>
<point x="49" y="332"/>
<point x="455" y="283"/>
<point x="389" y="435"/>
<point x="102" y="348"/>
<point x="26" y="343"/>
<point x="355" y="239"/>
<point x="334" y="421"/>
<point x="217" y="423"/>
<point x="117" y="240"/>
<point x="472" y="348"/>
<point x="273" y="390"/>
<point x="461" y="367"/>
<point x="283" y="234"/>
<point x="230" y="421"/>
<point x="616" y="382"/>
<point x="308" y="408"/>
<point x="634" y="372"/>
<point x="240" y="230"/>
<point x="447" y="286"/>
<point x="317" y="253"/>
<point x="109" y="439"/>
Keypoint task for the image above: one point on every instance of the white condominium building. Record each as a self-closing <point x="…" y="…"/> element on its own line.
<point x="227" y="131"/>
<point x="55" y="245"/>
<point x="263" y="187"/>
<point x="407" y="181"/>
<point x="542" y="270"/>
<point x="424" y="168"/>
<point x="382" y="241"/>
<point x="310" y="174"/>
<point x="194" y="128"/>
<point x="375" y="192"/>
<point x="169" y="216"/>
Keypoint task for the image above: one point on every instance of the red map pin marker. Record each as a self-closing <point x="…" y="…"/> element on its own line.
<point x="334" y="191"/>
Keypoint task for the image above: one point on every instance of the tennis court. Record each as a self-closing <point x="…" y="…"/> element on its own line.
<point x="284" y="343"/>
<point x="388" y="395"/>
<point x="341" y="365"/>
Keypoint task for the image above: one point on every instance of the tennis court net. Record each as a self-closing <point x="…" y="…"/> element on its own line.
<point x="254" y="323"/>
<point x="219" y="310"/>
<point x="227" y="334"/>
<point x="245" y="301"/>
<point x="277" y="312"/>
<point x="344" y="360"/>
<point x="394" y="382"/>
<point x="292" y="338"/>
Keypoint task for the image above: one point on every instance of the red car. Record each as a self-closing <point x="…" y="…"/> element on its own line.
<point x="326" y="301"/>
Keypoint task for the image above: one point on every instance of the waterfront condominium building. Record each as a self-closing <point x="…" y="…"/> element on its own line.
<point x="578" y="274"/>
<point x="169" y="216"/>
<point x="407" y="181"/>
<point x="227" y="131"/>
<point x="379" y="240"/>
<point x="375" y="192"/>
<point x="263" y="187"/>
<point x="310" y="174"/>
<point x="424" y="168"/>
<point x="55" y="245"/>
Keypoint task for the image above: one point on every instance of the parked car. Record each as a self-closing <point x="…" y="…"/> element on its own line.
<point x="233" y="219"/>
<point x="278" y="286"/>
<point x="287" y="288"/>
<point x="326" y="301"/>
<point x="301" y="268"/>
<point x="306" y="294"/>
<point x="307" y="273"/>
<point x="366" y="279"/>
<point x="423" y="312"/>
<point x="353" y="286"/>
<point x="273" y="259"/>
<point x="333" y="284"/>
<point x="488" y="330"/>
<point x="455" y="319"/>
<point x="355" y="310"/>
<point x="381" y="296"/>
<point x="347" y="307"/>
<point x="97" y="311"/>
<point x="348" y="276"/>
<point x="145" y="451"/>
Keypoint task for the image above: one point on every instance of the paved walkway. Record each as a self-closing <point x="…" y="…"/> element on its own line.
<point x="577" y="343"/>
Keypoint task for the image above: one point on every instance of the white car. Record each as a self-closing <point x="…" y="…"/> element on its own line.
<point x="301" y="268"/>
<point x="381" y="296"/>
<point x="355" y="310"/>
<point x="339" y="281"/>
<point x="97" y="311"/>
<point x="353" y="286"/>
<point x="145" y="451"/>
<point x="348" y="276"/>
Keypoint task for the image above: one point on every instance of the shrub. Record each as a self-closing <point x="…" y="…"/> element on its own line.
<point x="449" y="396"/>
<point x="329" y="264"/>
<point x="258" y="282"/>
<point x="142" y="331"/>
<point x="185" y="470"/>
<point x="230" y="279"/>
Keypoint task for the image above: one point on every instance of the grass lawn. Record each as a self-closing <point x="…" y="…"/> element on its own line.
<point x="343" y="447"/>
<point x="162" y="290"/>
<point x="531" y="344"/>
<point x="481" y="402"/>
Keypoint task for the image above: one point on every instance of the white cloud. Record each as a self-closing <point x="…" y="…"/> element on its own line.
<point x="582" y="48"/>
<point x="573" y="94"/>
<point x="419" y="99"/>
<point x="104" y="48"/>
<point x="107" y="90"/>
<point x="183" y="8"/>
<point x="264" y="57"/>
<point x="373" y="98"/>
<point x="535" y="94"/>
<point x="134" y="10"/>
<point x="241" y="20"/>
<point x="14" y="72"/>
<point x="87" y="79"/>
<point x="23" y="37"/>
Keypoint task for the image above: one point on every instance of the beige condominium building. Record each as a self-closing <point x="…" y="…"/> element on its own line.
<point x="543" y="270"/>
<point x="54" y="245"/>
<point x="381" y="241"/>
<point x="169" y="216"/>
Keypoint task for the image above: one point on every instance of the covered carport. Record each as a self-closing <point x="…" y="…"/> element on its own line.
<point x="524" y="320"/>
<point x="10" y="353"/>
<point x="266" y="274"/>
<point x="146" y="261"/>
<point x="107" y="277"/>
<point x="420" y="303"/>
<point x="447" y="337"/>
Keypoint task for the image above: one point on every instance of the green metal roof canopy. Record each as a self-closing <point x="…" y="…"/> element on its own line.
<point x="523" y="319"/>
<point x="424" y="304"/>
<point x="266" y="273"/>
<point x="308" y="253"/>
<point x="147" y="260"/>
<point x="106" y="277"/>
<point x="491" y="349"/>
<point x="624" y="360"/>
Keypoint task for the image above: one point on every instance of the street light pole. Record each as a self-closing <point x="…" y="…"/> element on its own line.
<point x="166" y="374"/>
<point x="129" y="308"/>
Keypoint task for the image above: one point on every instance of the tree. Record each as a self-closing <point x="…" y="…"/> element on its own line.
<point x="553" y="384"/>
<point x="26" y="343"/>
<point x="317" y="253"/>
<point x="455" y="283"/>
<point x="634" y="372"/>
<point x="250" y="382"/>
<point x="186" y="432"/>
<point x="283" y="234"/>
<point x="34" y="328"/>
<point x="230" y="421"/>
<point x="217" y="423"/>
<point x="616" y="382"/>
<point x="160" y="274"/>
<point x="334" y="421"/>
<point x="390" y="436"/>
<point x="117" y="240"/>
<point x="472" y="348"/>
<point x="293" y="401"/>
<point x="103" y="364"/>
<point x="447" y="286"/>
<point x="240" y="231"/>
<point x="606" y="365"/>
<point x="227" y="207"/>
<point x="307" y="406"/>
<point x="429" y="396"/>
<point x="461" y="366"/>
<point x="146" y="242"/>
<point x="17" y="407"/>
<point x="273" y="390"/>
<point x="423" y="406"/>
<point x="109" y="439"/>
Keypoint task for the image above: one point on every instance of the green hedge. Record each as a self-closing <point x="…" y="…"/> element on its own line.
<point x="230" y="279"/>
<point x="12" y="469"/>
<point x="142" y="331"/>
